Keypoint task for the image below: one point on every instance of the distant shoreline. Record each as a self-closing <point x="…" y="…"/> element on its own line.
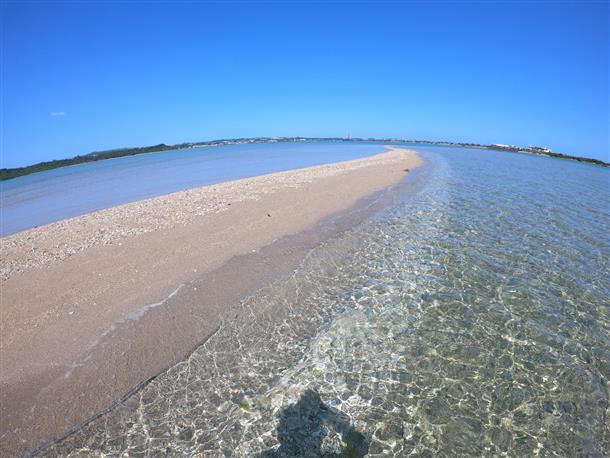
<point x="9" y="173"/>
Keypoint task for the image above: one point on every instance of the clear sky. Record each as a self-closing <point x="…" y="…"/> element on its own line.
<point x="80" y="77"/>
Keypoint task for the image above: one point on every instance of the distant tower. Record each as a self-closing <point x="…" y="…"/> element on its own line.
<point x="349" y="136"/>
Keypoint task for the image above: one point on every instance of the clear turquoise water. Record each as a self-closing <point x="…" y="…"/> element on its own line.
<point x="472" y="318"/>
<point x="42" y="198"/>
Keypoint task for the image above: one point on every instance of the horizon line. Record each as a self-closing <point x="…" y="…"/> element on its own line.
<point x="163" y="147"/>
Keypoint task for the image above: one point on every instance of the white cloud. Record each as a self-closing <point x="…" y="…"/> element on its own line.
<point x="58" y="114"/>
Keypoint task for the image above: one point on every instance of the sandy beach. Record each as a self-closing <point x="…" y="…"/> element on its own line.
<point x="95" y="305"/>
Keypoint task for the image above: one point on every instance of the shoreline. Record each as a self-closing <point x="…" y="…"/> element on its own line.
<point x="86" y="331"/>
<point x="15" y="172"/>
<point x="54" y="242"/>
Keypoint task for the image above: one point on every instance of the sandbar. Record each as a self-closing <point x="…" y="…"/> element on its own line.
<point x="94" y="306"/>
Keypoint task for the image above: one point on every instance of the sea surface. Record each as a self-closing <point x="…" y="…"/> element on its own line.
<point x="49" y="196"/>
<point x="470" y="318"/>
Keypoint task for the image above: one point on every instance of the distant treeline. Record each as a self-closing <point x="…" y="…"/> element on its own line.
<point x="578" y="158"/>
<point x="6" y="174"/>
<point x="543" y="152"/>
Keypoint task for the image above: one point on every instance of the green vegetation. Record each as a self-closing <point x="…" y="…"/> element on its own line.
<point x="577" y="158"/>
<point x="545" y="152"/>
<point x="6" y="174"/>
<point x="245" y="406"/>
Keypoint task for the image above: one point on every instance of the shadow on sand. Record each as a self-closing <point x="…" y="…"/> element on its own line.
<point x="304" y="425"/>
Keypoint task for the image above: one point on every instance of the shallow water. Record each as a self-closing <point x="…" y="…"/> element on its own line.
<point x="42" y="198"/>
<point x="471" y="318"/>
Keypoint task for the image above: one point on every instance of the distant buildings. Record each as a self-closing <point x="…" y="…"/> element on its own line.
<point x="540" y="149"/>
<point x="501" y="146"/>
<point x="529" y="149"/>
<point x="6" y="174"/>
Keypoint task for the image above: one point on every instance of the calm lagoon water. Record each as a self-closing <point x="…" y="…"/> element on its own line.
<point x="472" y="318"/>
<point x="53" y="195"/>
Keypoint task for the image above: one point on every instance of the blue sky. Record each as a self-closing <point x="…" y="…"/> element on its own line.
<point x="80" y="77"/>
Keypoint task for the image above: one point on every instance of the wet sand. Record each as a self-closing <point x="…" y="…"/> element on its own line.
<point x="96" y="305"/>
